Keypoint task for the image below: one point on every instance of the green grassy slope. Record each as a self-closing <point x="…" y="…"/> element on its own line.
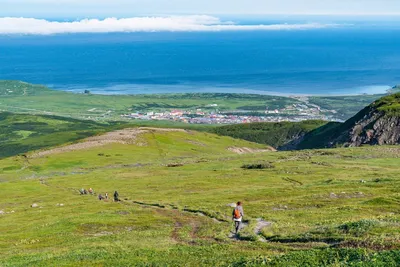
<point x="273" y="134"/>
<point x="390" y="105"/>
<point x="20" y="133"/>
<point x="327" y="207"/>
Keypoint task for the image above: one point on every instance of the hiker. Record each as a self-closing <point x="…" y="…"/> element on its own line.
<point x="101" y="197"/>
<point x="91" y="191"/>
<point x="106" y="195"/>
<point x="116" y="195"/>
<point x="82" y="191"/>
<point x="238" y="216"/>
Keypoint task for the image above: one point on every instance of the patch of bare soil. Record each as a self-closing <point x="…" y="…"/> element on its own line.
<point x="125" y="136"/>
<point x="260" y="225"/>
<point x="247" y="150"/>
<point x="162" y="129"/>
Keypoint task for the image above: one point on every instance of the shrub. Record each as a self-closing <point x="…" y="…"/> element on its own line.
<point x="258" y="166"/>
<point x="359" y="227"/>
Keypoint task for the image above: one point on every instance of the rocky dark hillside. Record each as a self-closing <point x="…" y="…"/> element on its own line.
<point x="377" y="124"/>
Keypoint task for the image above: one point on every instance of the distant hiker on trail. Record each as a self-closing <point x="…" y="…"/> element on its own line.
<point x="82" y="191"/>
<point x="116" y="195"/>
<point x="106" y="195"/>
<point x="238" y="216"/>
<point x="101" y="197"/>
<point x="91" y="191"/>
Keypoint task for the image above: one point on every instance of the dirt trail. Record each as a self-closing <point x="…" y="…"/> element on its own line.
<point x="188" y="210"/>
<point x="125" y="136"/>
<point x="261" y="224"/>
<point x="247" y="150"/>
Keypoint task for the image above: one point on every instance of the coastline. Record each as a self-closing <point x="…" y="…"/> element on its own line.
<point x="138" y="90"/>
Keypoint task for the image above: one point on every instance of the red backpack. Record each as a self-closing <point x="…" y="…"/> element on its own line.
<point x="236" y="214"/>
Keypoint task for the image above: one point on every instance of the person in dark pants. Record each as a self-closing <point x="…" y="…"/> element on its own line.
<point x="237" y="216"/>
<point x="116" y="195"/>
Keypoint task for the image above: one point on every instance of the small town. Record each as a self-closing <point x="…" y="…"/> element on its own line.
<point x="292" y="113"/>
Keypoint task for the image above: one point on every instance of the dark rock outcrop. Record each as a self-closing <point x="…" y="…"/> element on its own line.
<point x="377" y="124"/>
<point x="376" y="129"/>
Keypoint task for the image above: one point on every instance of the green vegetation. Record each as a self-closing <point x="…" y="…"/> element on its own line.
<point x="258" y="166"/>
<point x="15" y="88"/>
<point x="23" y="133"/>
<point x="35" y="99"/>
<point x="337" y="207"/>
<point x="340" y="133"/>
<point x="20" y="97"/>
<point x="346" y="106"/>
<point x="320" y="137"/>
<point x="273" y="134"/>
<point x="390" y="105"/>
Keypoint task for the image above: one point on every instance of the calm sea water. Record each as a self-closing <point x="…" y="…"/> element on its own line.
<point x="344" y="60"/>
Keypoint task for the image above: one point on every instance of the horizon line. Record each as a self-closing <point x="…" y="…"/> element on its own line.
<point x="205" y="13"/>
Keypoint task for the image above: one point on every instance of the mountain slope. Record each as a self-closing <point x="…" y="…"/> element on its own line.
<point x="177" y="187"/>
<point x="377" y="124"/>
<point x="275" y="134"/>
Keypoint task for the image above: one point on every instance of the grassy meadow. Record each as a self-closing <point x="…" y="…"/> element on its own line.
<point x="337" y="207"/>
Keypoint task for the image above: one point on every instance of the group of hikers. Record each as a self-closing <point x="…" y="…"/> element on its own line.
<point x="237" y="213"/>
<point x="105" y="197"/>
<point x="83" y="191"/>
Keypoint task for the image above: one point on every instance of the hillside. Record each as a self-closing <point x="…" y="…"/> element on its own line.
<point x="274" y="134"/>
<point x="377" y="124"/>
<point x="20" y="133"/>
<point x="337" y="207"/>
<point x="15" y="88"/>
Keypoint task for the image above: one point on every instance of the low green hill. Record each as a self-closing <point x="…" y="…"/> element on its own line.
<point x="17" y="88"/>
<point x="270" y="133"/>
<point x="336" y="207"/>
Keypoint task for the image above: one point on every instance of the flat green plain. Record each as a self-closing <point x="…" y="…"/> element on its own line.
<point x="21" y="97"/>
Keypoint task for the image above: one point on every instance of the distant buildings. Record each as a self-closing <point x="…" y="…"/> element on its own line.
<point x="295" y="113"/>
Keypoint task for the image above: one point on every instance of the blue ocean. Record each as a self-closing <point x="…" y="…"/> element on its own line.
<point x="364" y="58"/>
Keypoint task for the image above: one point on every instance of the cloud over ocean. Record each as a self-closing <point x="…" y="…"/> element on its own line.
<point x="193" y="23"/>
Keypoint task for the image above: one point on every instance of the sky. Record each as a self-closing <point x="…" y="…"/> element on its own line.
<point x="98" y="16"/>
<point x="131" y="8"/>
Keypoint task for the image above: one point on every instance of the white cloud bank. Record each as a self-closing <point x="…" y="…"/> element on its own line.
<point x="12" y="25"/>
